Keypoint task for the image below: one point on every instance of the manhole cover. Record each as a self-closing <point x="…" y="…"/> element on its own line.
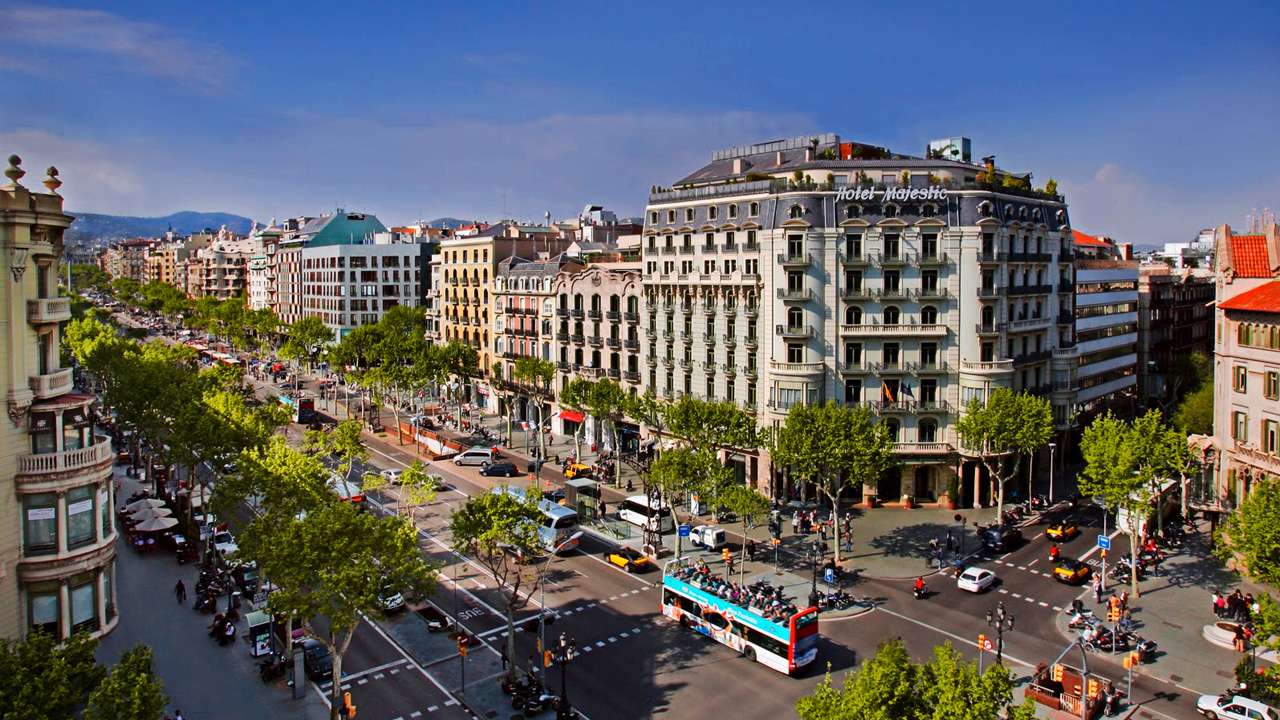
<point x="1176" y="678"/>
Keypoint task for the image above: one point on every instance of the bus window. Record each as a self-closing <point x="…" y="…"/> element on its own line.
<point x="565" y="522"/>
<point x="716" y="620"/>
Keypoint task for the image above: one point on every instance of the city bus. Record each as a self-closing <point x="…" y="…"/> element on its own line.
<point x="302" y="409"/>
<point x="785" y="646"/>
<point x="559" y="523"/>
<point x="646" y="513"/>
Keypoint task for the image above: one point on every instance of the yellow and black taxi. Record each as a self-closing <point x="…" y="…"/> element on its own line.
<point x="577" y="470"/>
<point x="1062" y="531"/>
<point x="1072" y="572"/>
<point x="628" y="559"/>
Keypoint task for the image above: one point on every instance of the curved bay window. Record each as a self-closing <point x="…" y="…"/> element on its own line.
<point x="40" y="524"/>
<point x="84" y="603"/>
<point x="43" y="610"/>
<point x="80" y="528"/>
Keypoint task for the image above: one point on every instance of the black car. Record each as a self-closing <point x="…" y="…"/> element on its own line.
<point x="1000" y="538"/>
<point x="502" y="469"/>
<point x="316" y="660"/>
<point x="555" y="496"/>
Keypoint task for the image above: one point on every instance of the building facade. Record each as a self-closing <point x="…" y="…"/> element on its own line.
<point x="1175" y="319"/>
<point x="813" y="269"/>
<point x="57" y="532"/>
<point x="1106" y="325"/>
<point x="1245" y="447"/>
<point x="349" y="285"/>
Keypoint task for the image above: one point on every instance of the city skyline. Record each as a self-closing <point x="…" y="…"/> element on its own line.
<point x="514" y="112"/>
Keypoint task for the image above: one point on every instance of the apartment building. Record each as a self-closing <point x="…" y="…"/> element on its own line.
<point x="1245" y="446"/>
<point x="468" y="265"/>
<point x="1106" y="327"/>
<point x="262" y="267"/>
<point x="221" y="270"/>
<point x="814" y="269"/>
<point x="330" y="229"/>
<point x="57" y="531"/>
<point x="1175" y="319"/>
<point x="598" y="314"/>
<point x="348" y="285"/>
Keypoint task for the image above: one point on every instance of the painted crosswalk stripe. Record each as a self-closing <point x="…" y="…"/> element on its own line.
<point x="599" y="643"/>
<point x="379" y="676"/>
<point x="450" y="702"/>
<point x="418" y="713"/>
<point x="613" y="639"/>
<point x="1017" y="595"/>
<point x="1043" y="604"/>
<point x="395" y="670"/>
<point x="1030" y="600"/>
<point x="622" y="634"/>
<point x="1002" y="591"/>
<point x="635" y="631"/>
<point x="587" y="649"/>
<point x="362" y="681"/>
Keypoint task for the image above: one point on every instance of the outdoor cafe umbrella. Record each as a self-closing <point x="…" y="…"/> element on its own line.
<point x="144" y="503"/>
<point x="155" y="523"/>
<point x="148" y="513"/>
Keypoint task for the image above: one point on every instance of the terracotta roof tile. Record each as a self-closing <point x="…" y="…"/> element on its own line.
<point x="1249" y="256"/>
<point x="1082" y="239"/>
<point x="1264" y="298"/>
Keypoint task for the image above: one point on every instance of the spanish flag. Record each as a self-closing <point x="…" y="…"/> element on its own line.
<point x="886" y="392"/>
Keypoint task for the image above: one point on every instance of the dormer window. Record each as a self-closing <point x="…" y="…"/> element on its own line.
<point x="854" y="211"/>
<point x="890" y="210"/>
<point x="795" y="212"/>
<point x="929" y="210"/>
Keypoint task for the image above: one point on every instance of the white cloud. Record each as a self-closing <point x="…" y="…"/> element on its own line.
<point x="149" y="48"/>
<point x="94" y="175"/>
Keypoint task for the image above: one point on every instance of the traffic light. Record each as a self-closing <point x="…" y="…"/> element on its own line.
<point x="726" y="555"/>
<point x="775" y="527"/>
<point x="1095" y="688"/>
<point x="1057" y="673"/>
<point x="348" y="709"/>
<point x="546" y="658"/>
<point x="462" y="645"/>
<point x="982" y="641"/>
<point x="1113" y="615"/>
<point x="1130" y="660"/>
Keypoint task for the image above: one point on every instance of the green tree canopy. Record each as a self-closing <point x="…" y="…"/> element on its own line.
<point x="1003" y="429"/>
<point x="43" y="679"/>
<point x="535" y="376"/>
<point x="835" y="447"/>
<point x="130" y="690"/>
<point x="1251" y="534"/>
<point x="1194" y="415"/>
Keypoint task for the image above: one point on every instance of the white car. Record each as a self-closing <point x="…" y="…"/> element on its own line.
<point x="392" y="475"/>
<point x="975" y="579"/>
<point x="1236" y="707"/>
<point x="225" y="543"/>
<point x="707" y="536"/>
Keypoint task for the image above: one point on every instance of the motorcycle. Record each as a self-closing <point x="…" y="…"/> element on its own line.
<point x="1082" y="620"/>
<point x="272" y="668"/>
<point x="921" y="592"/>
<point x="1146" y="650"/>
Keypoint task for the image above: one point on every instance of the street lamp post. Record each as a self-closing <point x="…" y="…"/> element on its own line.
<point x="542" y="591"/>
<point x="566" y="650"/>
<point x="1001" y="620"/>
<point x="1052" y="448"/>
<point x="815" y="553"/>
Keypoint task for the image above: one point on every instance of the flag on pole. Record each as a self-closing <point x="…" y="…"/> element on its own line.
<point x="886" y="392"/>
<point x="906" y="391"/>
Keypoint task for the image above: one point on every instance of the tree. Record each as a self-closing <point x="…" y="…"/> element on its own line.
<point x="536" y="376"/>
<point x="890" y="686"/>
<point x="574" y="396"/>
<point x="715" y="426"/>
<point x="306" y="337"/>
<point x="344" y="442"/>
<point x="334" y="561"/>
<point x="747" y="503"/>
<point x="492" y="527"/>
<point x="130" y="690"/>
<point x="607" y="403"/>
<point x="681" y="472"/>
<point x="1251" y="535"/>
<point x="42" y="679"/>
<point x="834" y="447"/>
<point x="1004" y="429"/>
<point x="84" y="275"/>
<point x="453" y="365"/>
<point x="1194" y="415"/>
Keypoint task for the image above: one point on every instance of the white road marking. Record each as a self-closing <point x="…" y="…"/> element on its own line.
<point x="362" y="681"/>
<point x="1043" y="604"/>
<point x="418" y="713"/>
<point x="599" y="643"/>
<point x="1033" y="562"/>
<point x="1031" y="600"/>
<point x="1017" y="595"/>
<point x="587" y="649"/>
<point x="613" y="639"/>
<point x="379" y="676"/>
<point x="967" y="642"/>
<point x="1002" y="591"/>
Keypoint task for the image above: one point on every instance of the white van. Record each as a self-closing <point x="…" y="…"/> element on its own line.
<point x="640" y="511"/>
<point x="474" y="456"/>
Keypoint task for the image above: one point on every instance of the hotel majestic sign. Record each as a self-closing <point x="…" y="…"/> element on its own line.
<point x="892" y="194"/>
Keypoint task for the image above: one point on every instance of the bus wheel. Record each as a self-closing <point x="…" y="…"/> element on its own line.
<point x="749" y="653"/>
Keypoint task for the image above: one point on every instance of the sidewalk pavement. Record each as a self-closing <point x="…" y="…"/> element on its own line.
<point x="1172" y="610"/>
<point x="204" y="680"/>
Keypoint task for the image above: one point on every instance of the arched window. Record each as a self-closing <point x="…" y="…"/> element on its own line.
<point x="928" y="315"/>
<point x="577" y="301"/>
<point x="891" y="426"/>
<point x="713" y="212"/>
<point x="928" y="431"/>
<point x="733" y="211"/>
<point x="795" y="317"/>
<point x="853" y="315"/>
<point x="795" y="212"/>
<point x="753" y="209"/>
<point x="890" y="210"/>
<point x="854" y="211"/>
<point x="891" y="315"/>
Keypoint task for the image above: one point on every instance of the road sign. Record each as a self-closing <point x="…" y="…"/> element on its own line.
<point x="828" y="576"/>
<point x="985" y="643"/>
<point x="1104" y="542"/>
<point x="684" y="530"/>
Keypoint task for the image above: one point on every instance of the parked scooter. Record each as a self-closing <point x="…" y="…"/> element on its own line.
<point x="273" y="668"/>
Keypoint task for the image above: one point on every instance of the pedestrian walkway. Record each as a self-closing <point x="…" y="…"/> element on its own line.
<point x="203" y="679"/>
<point x="1173" y="609"/>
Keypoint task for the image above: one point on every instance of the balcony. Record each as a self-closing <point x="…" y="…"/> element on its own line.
<point x="67" y="460"/>
<point x="991" y="256"/>
<point x="933" y="295"/>
<point x="898" y="259"/>
<point x="687" y="309"/>
<point x="631" y="344"/>
<point x="751" y="247"/>
<point x="798" y="369"/>
<point x="595" y="341"/>
<point x="1027" y="323"/>
<point x="934" y="260"/>
<point x="631" y="376"/>
<point x="709" y="309"/>
<point x="54" y="384"/>
<point x="1030" y="290"/>
<point x="751" y="371"/>
<point x="576" y="313"/>
<point x="595" y="314"/>
<point x="686" y="250"/>
<point x="893" y="408"/>
<point x="860" y="260"/>
<point x="576" y="339"/>
<point x="48" y="310"/>
<point x="730" y="340"/>
<point x="908" y="329"/>
<point x="686" y="363"/>
<point x="889" y="368"/>
<point x="934" y="406"/>
<point x="612" y="315"/>
<point x="615" y="373"/>
<point x="632" y="317"/>
<point x="669" y="250"/>
<point x="795" y="261"/>
<point x="730" y="310"/>
<point x="1030" y="257"/>
<point x="857" y="368"/>
<point x="709" y="368"/>
<point x="932" y="368"/>
<point x="751" y="310"/>
<point x="562" y="336"/>
<point x="614" y="342"/>
<point x="857" y="293"/>
<point x="800" y="295"/>
<point x="797" y="332"/>
<point x="898" y="293"/>
<point x="986" y="366"/>
<point x="923" y="448"/>
<point x="562" y="366"/>
<point x="751" y="341"/>
<point x="989" y="292"/>
<point x="669" y="334"/>
<point x="1066" y="287"/>
<point x="1032" y="357"/>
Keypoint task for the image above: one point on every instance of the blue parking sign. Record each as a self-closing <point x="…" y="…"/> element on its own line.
<point x="684" y="530"/>
<point x="1104" y="542"/>
<point x="829" y="576"/>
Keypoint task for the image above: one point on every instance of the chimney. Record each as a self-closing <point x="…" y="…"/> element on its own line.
<point x="777" y="158"/>
<point x="1272" y="234"/>
<point x="739" y="166"/>
<point x="808" y="154"/>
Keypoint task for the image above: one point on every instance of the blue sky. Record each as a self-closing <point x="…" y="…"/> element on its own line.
<point x="1157" y="119"/>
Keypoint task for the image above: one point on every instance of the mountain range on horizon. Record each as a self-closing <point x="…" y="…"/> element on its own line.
<point x="89" y="228"/>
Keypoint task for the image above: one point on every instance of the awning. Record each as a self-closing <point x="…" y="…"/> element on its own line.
<point x="571" y="415"/>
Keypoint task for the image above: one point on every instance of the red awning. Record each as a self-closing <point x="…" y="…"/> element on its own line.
<point x="571" y="415"/>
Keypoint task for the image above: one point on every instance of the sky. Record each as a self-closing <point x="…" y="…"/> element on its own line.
<point x="1156" y="119"/>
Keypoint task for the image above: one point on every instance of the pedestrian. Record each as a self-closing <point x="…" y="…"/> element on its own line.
<point x="604" y="509"/>
<point x="1124" y="600"/>
<point x="1097" y="589"/>
<point x="795" y="523"/>
<point x="1246" y="607"/>
<point x="1219" y="604"/>
<point x="177" y="715"/>
<point x="180" y="591"/>
<point x="1238" y="642"/>
<point x="751" y="549"/>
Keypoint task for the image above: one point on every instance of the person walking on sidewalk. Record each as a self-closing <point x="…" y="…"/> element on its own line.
<point x="1097" y="589"/>
<point x="180" y="592"/>
<point x="1217" y="603"/>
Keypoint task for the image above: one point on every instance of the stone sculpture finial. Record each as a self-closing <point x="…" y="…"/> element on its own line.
<point x="13" y="172"/>
<point x="52" y="182"/>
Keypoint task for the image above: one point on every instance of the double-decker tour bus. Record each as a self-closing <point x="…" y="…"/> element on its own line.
<point x="302" y="409"/>
<point x="778" y="636"/>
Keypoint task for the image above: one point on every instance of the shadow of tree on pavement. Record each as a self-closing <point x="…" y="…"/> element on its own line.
<point x="912" y="541"/>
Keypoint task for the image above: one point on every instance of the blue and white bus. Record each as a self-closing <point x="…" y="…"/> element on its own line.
<point x="785" y="644"/>
<point x="559" y="523"/>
